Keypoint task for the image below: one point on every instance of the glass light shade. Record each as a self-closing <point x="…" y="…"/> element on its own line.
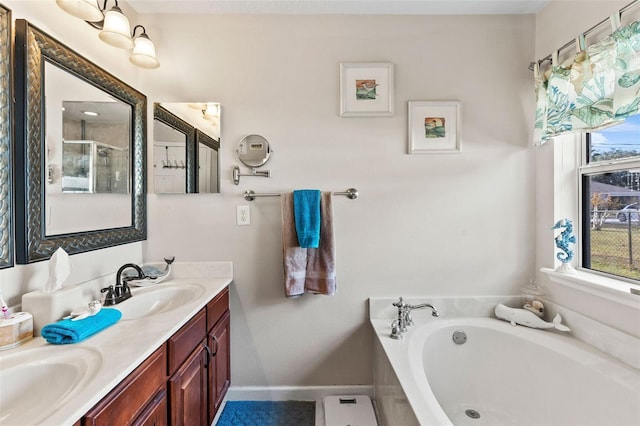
<point x="87" y="10"/>
<point x="144" y="52"/>
<point x="116" y="30"/>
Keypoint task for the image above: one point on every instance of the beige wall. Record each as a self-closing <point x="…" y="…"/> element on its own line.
<point x="423" y="225"/>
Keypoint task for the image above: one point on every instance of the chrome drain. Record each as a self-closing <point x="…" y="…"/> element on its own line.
<point x="472" y="414"/>
<point x="459" y="337"/>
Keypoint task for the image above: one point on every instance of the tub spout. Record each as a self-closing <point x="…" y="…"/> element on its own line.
<point x="434" y="311"/>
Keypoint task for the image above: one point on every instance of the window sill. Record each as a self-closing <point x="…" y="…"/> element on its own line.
<point x="608" y="288"/>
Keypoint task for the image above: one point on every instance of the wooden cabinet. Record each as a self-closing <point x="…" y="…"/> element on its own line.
<point x="219" y="343"/>
<point x="188" y="391"/>
<point x="200" y="360"/>
<point x="130" y="399"/>
<point x="156" y="413"/>
<point x="183" y="383"/>
<point x="219" y="366"/>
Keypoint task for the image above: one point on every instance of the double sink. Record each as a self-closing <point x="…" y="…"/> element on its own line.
<point x="41" y="379"/>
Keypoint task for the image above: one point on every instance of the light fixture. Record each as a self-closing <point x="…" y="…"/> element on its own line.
<point x="115" y="29"/>
<point x="210" y="111"/>
<point x="144" y="52"/>
<point x="91" y="113"/>
<point x="83" y="9"/>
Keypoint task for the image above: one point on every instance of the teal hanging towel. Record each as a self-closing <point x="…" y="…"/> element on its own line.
<point x="306" y="212"/>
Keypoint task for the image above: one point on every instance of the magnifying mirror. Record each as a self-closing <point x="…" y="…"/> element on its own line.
<point x="253" y="151"/>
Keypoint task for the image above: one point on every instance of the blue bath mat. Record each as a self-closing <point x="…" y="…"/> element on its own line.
<point x="268" y="413"/>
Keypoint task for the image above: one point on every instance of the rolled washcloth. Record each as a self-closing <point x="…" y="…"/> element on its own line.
<point x="306" y="210"/>
<point x="67" y="331"/>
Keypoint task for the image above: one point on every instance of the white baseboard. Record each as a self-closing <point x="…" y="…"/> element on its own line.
<point x="297" y="393"/>
<point x="293" y="393"/>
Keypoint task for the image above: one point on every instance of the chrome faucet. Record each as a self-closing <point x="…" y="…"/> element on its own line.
<point x="404" y="320"/>
<point x="121" y="291"/>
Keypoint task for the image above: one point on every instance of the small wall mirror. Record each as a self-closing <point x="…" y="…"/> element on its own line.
<point x="186" y="140"/>
<point x="253" y="151"/>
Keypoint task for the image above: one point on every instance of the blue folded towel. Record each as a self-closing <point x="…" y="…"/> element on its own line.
<point x="306" y="214"/>
<point x="67" y="331"/>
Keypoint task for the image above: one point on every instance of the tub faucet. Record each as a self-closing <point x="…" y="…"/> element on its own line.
<point x="404" y="320"/>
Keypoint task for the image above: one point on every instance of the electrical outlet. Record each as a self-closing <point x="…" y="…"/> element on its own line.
<point x="243" y="215"/>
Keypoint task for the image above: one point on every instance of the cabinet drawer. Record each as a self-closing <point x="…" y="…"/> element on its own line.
<point x="186" y="340"/>
<point x="131" y="396"/>
<point x="156" y="413"/>
<point x="217" y="307"/>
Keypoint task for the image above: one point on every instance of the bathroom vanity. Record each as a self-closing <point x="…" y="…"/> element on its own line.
<point x="167" y="365"/>
<point x="191" y="369"/>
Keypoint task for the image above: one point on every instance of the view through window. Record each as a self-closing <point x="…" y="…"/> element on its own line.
<point x="610" y="176"/>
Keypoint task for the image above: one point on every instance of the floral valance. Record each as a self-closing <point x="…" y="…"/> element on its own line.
<point x="597" y="88"/>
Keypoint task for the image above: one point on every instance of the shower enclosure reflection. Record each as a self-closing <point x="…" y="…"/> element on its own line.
<point x="95" y="151"/>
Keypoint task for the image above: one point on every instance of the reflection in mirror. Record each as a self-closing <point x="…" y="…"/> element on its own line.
<point x="253" y="151"/>
<point x="186" y="139"/>
<point x="79" y="180"/>
<point x="6" y="235"/>
<point x="173" y="143"/>
<point x="95" y="147"/>
<point x="87" y="139"/>
<point x="208" y="179"/>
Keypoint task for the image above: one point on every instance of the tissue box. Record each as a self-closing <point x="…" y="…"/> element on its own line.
<point x="50" y="307"/>
<point x="16" y="331"/>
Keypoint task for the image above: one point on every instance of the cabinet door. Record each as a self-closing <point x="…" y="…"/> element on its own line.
<point x="156" y="412"/>
<point x="129" y="399"/>
<point x="188" y="391"/>
<point x="220" y="365"/>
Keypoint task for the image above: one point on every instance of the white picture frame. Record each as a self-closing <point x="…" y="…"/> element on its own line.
<point x="366" y="89"/>
<point x="434" y="127"/>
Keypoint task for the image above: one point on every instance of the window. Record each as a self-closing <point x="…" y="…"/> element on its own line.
<point x="610" y="178"/>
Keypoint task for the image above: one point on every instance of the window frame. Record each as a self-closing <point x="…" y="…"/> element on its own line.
<point x="584" y="170"/>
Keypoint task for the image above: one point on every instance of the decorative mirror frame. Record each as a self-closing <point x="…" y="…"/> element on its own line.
<point x="32" y="48"/>
<point x="165" y="116"/>
<point x="6" y="222"/>
<point x="204" y="139"/>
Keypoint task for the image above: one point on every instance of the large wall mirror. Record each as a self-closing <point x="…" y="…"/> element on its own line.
<point x="186" y="141"/>
<point x="80" y="152"/>
<point x="6" y="240"/>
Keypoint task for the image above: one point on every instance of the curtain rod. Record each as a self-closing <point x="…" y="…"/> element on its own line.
<point x="250" y="195"/>
<point x="586" y="33"/>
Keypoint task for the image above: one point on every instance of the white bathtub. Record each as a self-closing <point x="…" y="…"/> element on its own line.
<point x="508" y="375"/>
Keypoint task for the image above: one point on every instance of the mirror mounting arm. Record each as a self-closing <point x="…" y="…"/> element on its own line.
<point x="254" y="172"/>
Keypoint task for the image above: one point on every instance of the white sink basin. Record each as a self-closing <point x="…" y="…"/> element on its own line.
<point x="34" y="383"/>
<point x="150" y="301"/>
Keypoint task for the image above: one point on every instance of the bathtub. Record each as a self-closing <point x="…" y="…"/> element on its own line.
<point x="501" y="375"/>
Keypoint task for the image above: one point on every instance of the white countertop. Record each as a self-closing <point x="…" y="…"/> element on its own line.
<point x="128" y="343"/>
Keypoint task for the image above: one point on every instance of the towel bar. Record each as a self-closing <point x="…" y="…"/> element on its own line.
<point x="250" y="195"/>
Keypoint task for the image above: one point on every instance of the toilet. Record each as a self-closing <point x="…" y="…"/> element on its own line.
<point x="349" y="410"/>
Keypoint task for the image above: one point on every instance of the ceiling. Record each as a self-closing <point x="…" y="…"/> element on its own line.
<point x="362" y="7"/>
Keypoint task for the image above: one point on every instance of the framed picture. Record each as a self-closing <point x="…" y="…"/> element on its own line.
<point x="434" y="127"/>
<point x="366" y="89"/>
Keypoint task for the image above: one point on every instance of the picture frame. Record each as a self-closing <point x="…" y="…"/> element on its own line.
<point x="434" y="127"/>
<point x="366" y="89"/>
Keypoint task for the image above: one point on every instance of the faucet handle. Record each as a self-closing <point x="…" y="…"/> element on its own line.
<point x="110" y="297"/>
<point x="399" y="304"/>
